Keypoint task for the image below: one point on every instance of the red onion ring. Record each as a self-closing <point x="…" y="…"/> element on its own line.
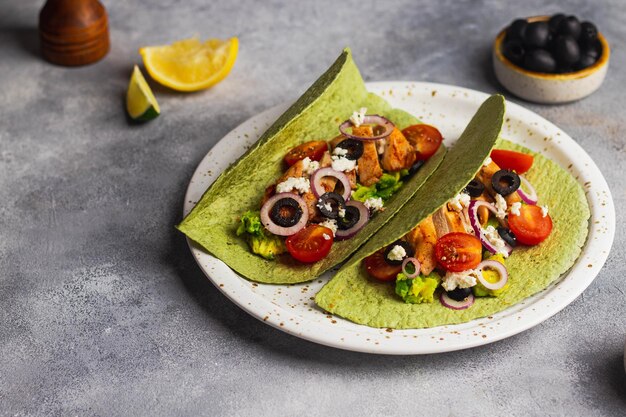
<point x="364" y="218"/>
<point x="478" y="230"/>
<point x="280" y="230"/>
<point x="373" y="119"/>
<point x="415" y="263"/>
<point x="456" y="305"/>
<point x="529" y="197"/>
<point x="501" y="269"/>
<point x="316" y="182"/>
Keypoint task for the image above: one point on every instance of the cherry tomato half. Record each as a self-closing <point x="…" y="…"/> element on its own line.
<point x="458" y="251"/>
<point x="377" y="267"/>
<point x="516" y="161"/>
<point x="530" y="227"/>
<point x="309" y="244"/>
<point x="425" y="138"/>
<point x="314" y="150"/>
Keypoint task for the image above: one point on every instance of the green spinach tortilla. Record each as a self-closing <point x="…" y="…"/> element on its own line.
<point x="355" y="296"/>
<point x="315" y="115"/>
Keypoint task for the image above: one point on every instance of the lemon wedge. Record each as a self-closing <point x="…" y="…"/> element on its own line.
<point x="189" y="64"/>
<point x="140" y="102"/>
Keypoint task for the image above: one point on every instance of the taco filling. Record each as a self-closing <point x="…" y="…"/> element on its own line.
<point x="460" y="251"/>
<point x="329" y="190"/>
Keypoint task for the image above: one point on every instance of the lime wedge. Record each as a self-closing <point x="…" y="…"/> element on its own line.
<point x="140" y="102"/>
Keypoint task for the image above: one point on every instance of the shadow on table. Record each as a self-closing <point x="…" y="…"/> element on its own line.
<point x="25" y="37"/>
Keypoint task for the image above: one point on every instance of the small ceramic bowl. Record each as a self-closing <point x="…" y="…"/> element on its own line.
<point x="549" y="88"/>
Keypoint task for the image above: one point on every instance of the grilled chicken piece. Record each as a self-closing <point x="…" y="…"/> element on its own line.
<point x="484" y="176"/>
<point x="423" y="238"/>
<point x="447" y="221"/>
<point x="368" y="165"/>
<point x="296" y="170"/>
<point x="399" y="153"/>
<point x="311" y="204"/>
<point x="269" y="191"/>
<point x="328" y="183"/>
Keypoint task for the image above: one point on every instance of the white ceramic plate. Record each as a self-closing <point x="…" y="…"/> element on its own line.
<point x="291" y="309"/>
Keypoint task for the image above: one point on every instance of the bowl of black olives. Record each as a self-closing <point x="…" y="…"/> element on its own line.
<point x="551" y="59"/>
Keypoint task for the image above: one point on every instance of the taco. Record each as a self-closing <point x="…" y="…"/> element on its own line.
<point x="479" y="236"/>
<point x="330" y="172"/>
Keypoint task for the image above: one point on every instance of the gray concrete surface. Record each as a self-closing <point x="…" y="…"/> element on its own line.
<point x="102" y="308"/>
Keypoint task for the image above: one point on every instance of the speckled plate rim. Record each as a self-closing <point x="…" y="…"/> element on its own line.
<point x="281" y="306"/>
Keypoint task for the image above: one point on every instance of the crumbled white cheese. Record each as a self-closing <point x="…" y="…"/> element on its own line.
<point x="381" y="145"/>
<point x="463" y="279"/>
<point x="492" y="235"/>
<point x="487" y="161"/>
<point x="500" y="206"/>
<point x="331" y="224"/>
<point x="459" y="201"/>
<point x="326" y="236"/>
<point x="339" y="163"/>
<point x="374" y="204"/>
<point x="342" y="212"/>
<point x="340" y="151"/>
<point x="301" y="184"/>
<point x="309" y="167"/>
<point x="327" y="205"/>
<point x="515" y="208"/>
<point x="397" y="253"/>
<point x="358" y="117"/>
<point x="544" y="211"/>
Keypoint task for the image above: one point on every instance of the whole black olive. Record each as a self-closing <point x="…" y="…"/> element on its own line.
<point x="539" y="60"/>
<point x="537" y="35"/>
<point x="593" y="50"/>
<point x="516" y="29"/>
<point x="514" y="51"/>
<point x="566" y="50"/>
<point x="459" y="294"/>
<point x="554" y="21"/>
<point x="584" y="62"/>
<point x="588" y="33"/>
<point x="569" y="26"/>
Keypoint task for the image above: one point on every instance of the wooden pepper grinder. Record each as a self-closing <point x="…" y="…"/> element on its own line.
<point x="73" y="32"/>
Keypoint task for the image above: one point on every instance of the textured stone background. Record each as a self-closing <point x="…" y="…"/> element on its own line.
<point x="102" y="308"/>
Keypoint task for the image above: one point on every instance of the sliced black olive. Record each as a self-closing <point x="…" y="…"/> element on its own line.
<point x="516" y="29"/>
<point x="507" y="235"/>
<point x="539" y="60"/>
<point x="286" y="212"/>
<point x="352" y="217"/>
<point x="354" y="148"/>
<point x="514" y="51"/>
<point x="537" y="35"/>
<point x="459" y="294"/>
<point x="416" y="167"/>
<point x="566" y="50"/>
<point x="475" y="188"/>
<point x="505" y="182"/>
<point x="334" y="200"/>
<point x="407" y="248"/>
<point x="569" y="26"/>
